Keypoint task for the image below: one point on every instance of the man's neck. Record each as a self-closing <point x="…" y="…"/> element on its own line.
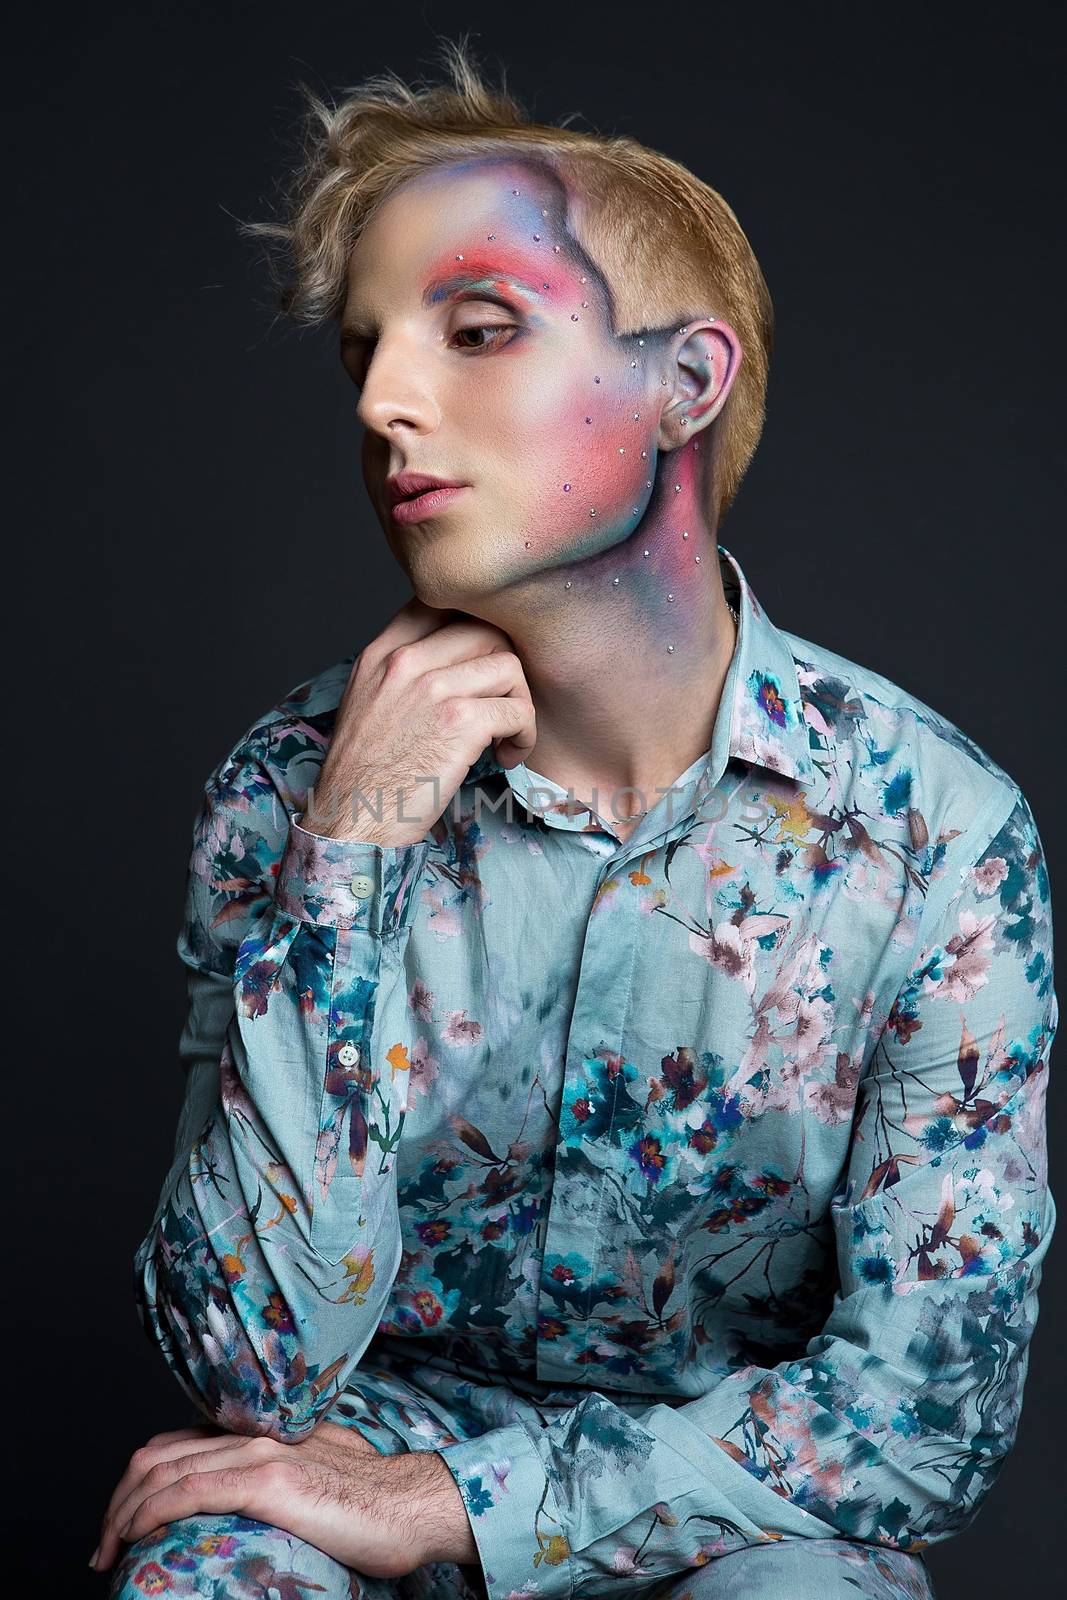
<point x="617" y="708"/>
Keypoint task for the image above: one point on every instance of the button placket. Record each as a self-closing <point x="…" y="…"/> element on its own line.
<point x="580" y="1181"/>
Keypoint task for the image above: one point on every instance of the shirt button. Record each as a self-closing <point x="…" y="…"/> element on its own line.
<point x="361" y="886"/>
<point x="348" y="1055"/>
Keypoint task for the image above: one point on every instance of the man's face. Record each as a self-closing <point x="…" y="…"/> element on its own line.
<point x="482" y="343"/>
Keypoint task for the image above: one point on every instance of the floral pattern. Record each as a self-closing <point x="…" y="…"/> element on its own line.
<point x="688" y="1192"/>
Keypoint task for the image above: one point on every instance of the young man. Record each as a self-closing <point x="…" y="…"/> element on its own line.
<point x="612" y="1158"/>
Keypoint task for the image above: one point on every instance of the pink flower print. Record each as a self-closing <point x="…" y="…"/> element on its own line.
<point x="991" y="874"/>
<point x="421" y="1000"/>
<point x="728" y="951"/>
<point x="423" y="1070"/>
<point x="460" y="1029"/>
<point x="970" y="970"/>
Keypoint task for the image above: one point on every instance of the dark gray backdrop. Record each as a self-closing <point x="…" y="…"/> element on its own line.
<point x="192" y="519"/>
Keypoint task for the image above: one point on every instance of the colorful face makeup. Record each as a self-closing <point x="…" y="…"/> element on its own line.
<point x="482" y="339"/>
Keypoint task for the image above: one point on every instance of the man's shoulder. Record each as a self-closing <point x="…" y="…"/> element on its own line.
<point x="295" y="729"/>
<point x="313" y="701"/>
<point x="920" y="757"/>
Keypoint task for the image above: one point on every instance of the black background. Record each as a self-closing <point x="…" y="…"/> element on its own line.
<point x="196" y="541"/>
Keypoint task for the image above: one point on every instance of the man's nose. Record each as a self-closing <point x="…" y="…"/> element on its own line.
<point x="397" y="393"/>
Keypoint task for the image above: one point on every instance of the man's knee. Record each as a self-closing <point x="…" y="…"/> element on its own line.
<point x="806" y="1569"/>
<point x="229" y="1553"/>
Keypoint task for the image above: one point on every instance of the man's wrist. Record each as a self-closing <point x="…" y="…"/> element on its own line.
<point x="430" y="1503"/>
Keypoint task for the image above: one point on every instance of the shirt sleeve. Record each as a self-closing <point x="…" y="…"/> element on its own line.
<point x="276" y="1237"/>
<point x="893" y="1424"/>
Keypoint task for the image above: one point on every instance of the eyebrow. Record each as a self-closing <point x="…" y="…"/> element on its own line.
<point x="476" y="273"/>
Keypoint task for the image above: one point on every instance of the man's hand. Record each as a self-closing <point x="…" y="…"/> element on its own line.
<point x="382" y="1515"/>
<point x="422" y="701"/>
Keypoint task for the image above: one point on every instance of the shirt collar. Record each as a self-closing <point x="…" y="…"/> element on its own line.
<point x="760" y="719"/>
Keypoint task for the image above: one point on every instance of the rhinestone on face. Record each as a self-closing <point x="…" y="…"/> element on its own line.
<point x="527" y="544"/>
<point x="566" y="488"/>
<point x="670" y="649"/>
<point x="640" y="341"/>
<point x="585" y="303"/>
<point x="644" y="552"/>
<point x="592" y="511"/>
<point x="583" y="280"/>
<point x="596" y="380"/>
<point x="637" y="416"/>
<point x="556" y="248"/>
<point x="546" y="286"/>
<point x="622" y="449"/>
<point x="685" y="533"/>
<point x="648" y="483"/>
<point x="677" y="488"/>
<point x="459" y="258"/>
<point x="490" y="236"/>
<point x="615" y="581"/>
<point x="633" y="363"/>
<point x="644" y="455"/>
<point x="670" y="597"/>
<point x="685" y="422"/>
<point x="544" y="213"/>
<point x="696" y="558"/>
<point x="588" y="419"/>
<point x="537" y="236"/>
<point x="574" y="316"/>
<point x="567" y="584"/>
<point x="514" y="191"/>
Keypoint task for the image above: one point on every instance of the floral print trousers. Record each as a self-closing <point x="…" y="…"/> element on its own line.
<point x="231" y="1555"/>
<point x="404" y="1405"/>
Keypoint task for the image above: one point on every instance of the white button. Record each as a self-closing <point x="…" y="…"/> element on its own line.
<point x="348" y="1055"/>
<point x="361" y="886"/>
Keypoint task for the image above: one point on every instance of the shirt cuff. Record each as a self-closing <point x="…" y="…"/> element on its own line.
<point x="513" y="1513"/>
<point x="349" y="883"/>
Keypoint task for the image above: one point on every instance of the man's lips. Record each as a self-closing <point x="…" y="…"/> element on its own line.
<point x="420" y="507"/>
<point x="405" y="485"/>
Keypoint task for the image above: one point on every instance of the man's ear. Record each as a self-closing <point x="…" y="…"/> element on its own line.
<point x="701" y="362"/>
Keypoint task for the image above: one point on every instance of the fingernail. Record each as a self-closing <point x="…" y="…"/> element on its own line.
<point x="93" y="1558"/>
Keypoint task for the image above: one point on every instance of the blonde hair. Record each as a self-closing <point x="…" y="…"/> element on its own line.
<point x="669" y="247"/>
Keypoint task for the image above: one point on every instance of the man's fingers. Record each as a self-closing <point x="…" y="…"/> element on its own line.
<point x="202" y="1430"/>
<point x="179" y="1442"/>
<point x="463" y="634"/>
<point x="166" y="1461"/>
<point x="513" y="725"/>
<point x="415" y="621"/>
<point x="199" y="1491"/>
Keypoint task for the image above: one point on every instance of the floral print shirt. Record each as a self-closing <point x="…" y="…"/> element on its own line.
<point x="735" y="1128"/>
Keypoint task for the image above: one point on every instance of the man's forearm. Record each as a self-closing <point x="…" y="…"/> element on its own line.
<point x="429" y="1502"/>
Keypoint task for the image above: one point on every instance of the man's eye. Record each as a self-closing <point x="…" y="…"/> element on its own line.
<point x="497" y="331"/>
